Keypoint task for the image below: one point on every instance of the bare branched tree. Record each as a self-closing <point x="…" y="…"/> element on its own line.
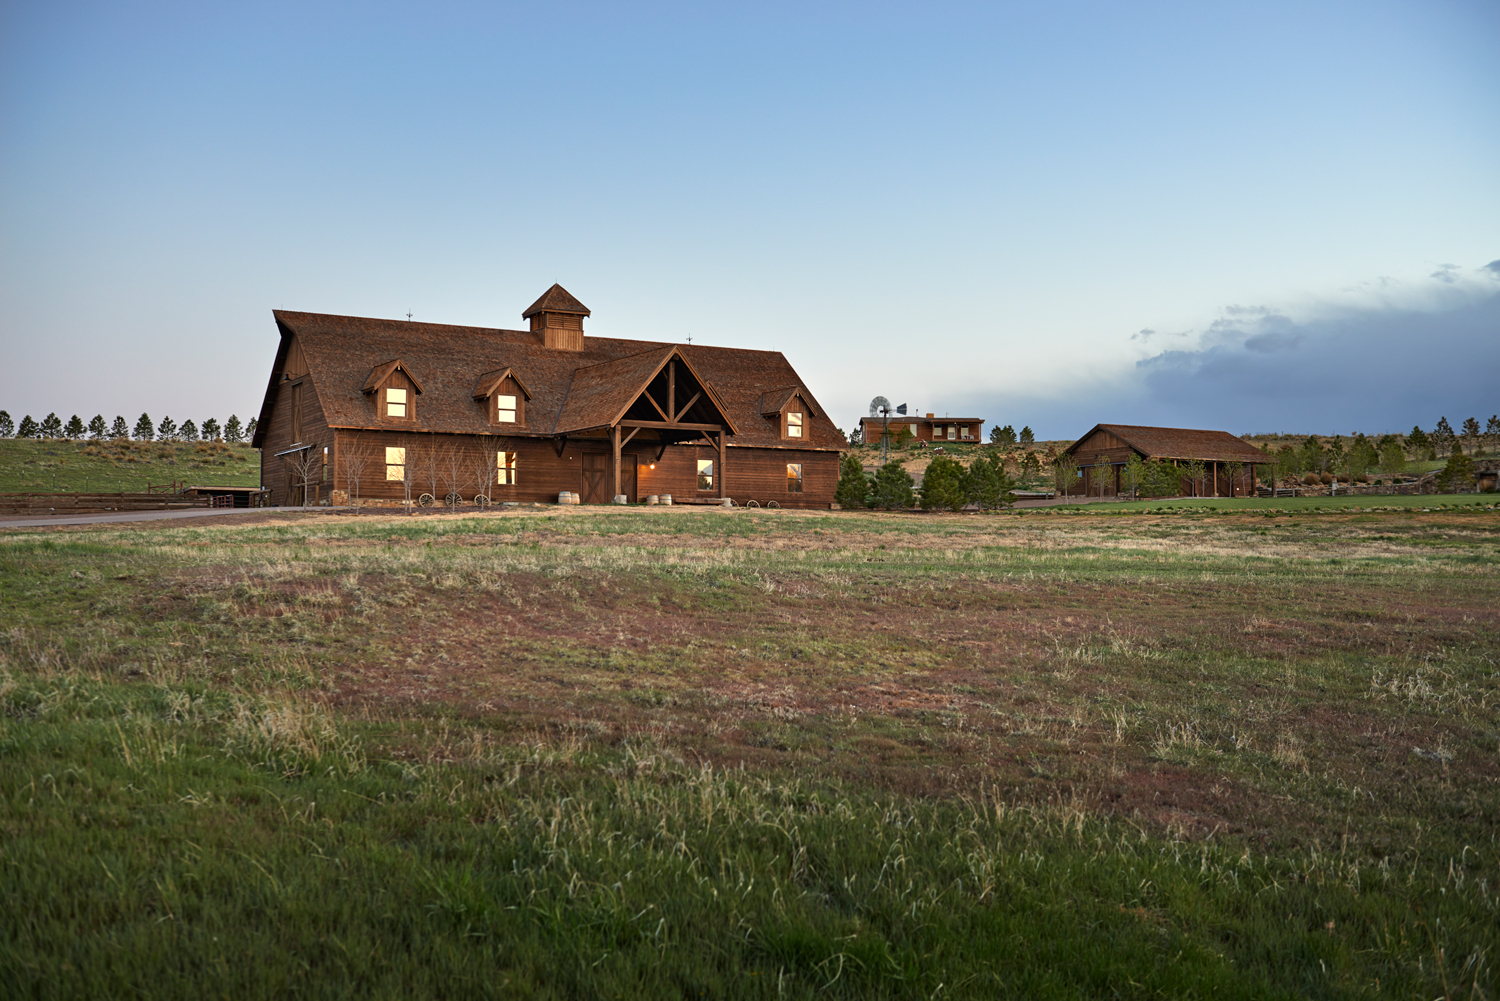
<point x="482" y="468"/>
<point x="356" y="460"/>
<point x="453" y="471"/>
<point x="305" y="468"/>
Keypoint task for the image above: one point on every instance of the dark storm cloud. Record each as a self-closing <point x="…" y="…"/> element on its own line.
<point x="1372" y="369"/>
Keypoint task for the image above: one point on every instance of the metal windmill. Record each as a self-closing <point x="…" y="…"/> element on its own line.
<point x="881" y="407"/>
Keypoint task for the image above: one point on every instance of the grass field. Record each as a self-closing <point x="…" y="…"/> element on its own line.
<point x="1291" y="505"/>
<point x="581" y="753"/>
<point x="47" y="465"/>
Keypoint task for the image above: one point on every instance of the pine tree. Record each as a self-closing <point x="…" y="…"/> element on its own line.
<point x="75" y="428"/>
<point x="144" y="429"/>
<point x="1458" y="475"/>
<point x="7" y="425"/>
<point x="52" y="426"/>
<point x="232" y="431"/>
<point x="1028" y="437"/>
<point x="250" y="430"/>
<point x="1419" y="444"/>
<point x="988" y="484"/>
<point x="852" y="485"/>
<point x="166" y="430"/>
<point x="1491" y="431"/>
<point x="188" y="431"/>
<point x="893" y="487"/>
<point x="210" y="429"/>
<point x="97" y="429"/>
<point x="29" y="428"/>
<point x="857" y="436"/>
<point x="1004" y="437"/>
<point x="1471" y="432"/>
<point x="943" y="485"/>
<point x="1443" y="437"/>
<point x="119" y="429"/>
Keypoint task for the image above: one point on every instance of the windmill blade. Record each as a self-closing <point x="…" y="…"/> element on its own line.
<point x="901" y="409"/>
<point x="880" y="406"/>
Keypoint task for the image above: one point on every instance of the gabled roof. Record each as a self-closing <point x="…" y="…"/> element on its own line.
<point x="601" y="394"/>
<point x="556" y="300"/>
<point x="380" y="373"/>
<point x="488" y="383"/>
<point x="1178" y="443"/>
<point x="774" y="400"/>
<point x="342" y="350"/>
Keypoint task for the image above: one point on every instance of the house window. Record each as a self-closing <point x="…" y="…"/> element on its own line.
<point x="395" y="464"/>
<point x="794" y="425"/>
<point x="505" y="409"/>
<point x="952" y="432"/>
<point x="913" y="430"/>
<point x="395" y="403"/>
<point x="505" y="468"/>
<point x="705" y="474"/>
<point x="794" y="477"/>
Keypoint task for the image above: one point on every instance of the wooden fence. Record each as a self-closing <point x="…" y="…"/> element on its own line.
<point x="15" y="504"/>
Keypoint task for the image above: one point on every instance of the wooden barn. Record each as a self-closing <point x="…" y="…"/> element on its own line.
<point x="394" y="411"/>
<point x="1229" y="463"/>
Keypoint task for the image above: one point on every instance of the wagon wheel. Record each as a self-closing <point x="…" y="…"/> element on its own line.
<point x="772" y="504"/>
<point x="752" y="503"/>
<point x="426" y="500"/>
<point x="480" y="500"/>
<point x="454" y="499"/>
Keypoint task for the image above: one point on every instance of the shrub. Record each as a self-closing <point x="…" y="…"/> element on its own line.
<point x="943" y="485"/>
<point x="852" y="486"/>
<point x="1326" y="479"/>
<point x="893" y="487"/>
<point x="1311" y="479"/>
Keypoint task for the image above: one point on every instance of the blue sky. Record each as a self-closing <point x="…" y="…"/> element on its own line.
<point x="1256" y="216"/>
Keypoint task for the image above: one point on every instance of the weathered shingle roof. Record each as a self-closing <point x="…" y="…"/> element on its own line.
<point x="1180" y="443"/>
<point x="777" y="398"/>
<point x="448" y="360"/>
<point x="556" y="300"/>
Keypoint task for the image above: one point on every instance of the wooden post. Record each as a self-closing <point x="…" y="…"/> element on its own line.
<point x="672" y="390"/>
<point x="1216" y="478"/>
<point x="721" y="463"/>
<point x="614" y="443"/>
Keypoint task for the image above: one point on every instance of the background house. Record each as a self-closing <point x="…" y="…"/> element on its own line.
<point x="925" y="428"/>
<point x="1229" y="463"/>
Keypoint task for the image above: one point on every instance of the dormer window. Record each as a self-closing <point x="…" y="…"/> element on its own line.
<point x="794" y="424"/>
<point x="790" y="408"/>
<point x="504" y="396"/>
<point x="395" y="403"/>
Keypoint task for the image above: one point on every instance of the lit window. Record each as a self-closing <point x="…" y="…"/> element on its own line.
<point x="395" y="404"/>
<point x="395" y="464"/>
<point x="794" y="425"/>
<point x="705" y="474"/>
<point x="505" y="410"/>
<point x="505" y="468"/>
<point x="913" y="430"/>
<point x="794" y="477"/>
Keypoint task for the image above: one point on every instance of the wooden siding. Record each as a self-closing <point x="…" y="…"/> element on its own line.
<point x="276" y="473"/>
<point x="933" y="429"/>
<point x="541" y="474"/>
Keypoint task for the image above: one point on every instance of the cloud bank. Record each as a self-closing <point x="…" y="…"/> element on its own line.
<point x="1373" y="367"/>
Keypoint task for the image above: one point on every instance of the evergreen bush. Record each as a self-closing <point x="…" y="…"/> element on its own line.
<point x="893" y="488"/>
<point x="852" y="487"/>
<point x="943" y="485"/>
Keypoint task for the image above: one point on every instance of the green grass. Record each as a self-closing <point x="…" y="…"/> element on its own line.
<point x="46" y="465"/>
<point x="692" y="753"/>
<point x="1362" y="502"/>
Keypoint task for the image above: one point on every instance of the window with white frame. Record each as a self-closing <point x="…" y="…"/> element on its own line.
<point x="505" y="409"/>
<point x="395" y="464"/>
<point x="395" y="402"/>
<point x="794" y="477"/>
<point x="505" y="469"/>
<point x="952" y="432"/>
<point x="705" y="474"/>
<point x="794" y="424"/>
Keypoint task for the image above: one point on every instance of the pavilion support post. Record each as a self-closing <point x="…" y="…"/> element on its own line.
<point x="1216" y="479"/>
<point x="722" y="470"/>
<point x="614" y="447"/>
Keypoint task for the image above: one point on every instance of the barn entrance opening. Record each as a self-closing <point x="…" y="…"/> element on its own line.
<point x="598" y="483"/>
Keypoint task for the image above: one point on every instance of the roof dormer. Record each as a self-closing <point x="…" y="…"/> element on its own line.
<point x="557" y="319"/>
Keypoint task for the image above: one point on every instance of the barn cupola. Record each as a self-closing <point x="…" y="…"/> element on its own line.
<point x="557" y="319"/>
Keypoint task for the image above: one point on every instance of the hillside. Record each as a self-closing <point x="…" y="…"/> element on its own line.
<point x="31" y="464"/>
